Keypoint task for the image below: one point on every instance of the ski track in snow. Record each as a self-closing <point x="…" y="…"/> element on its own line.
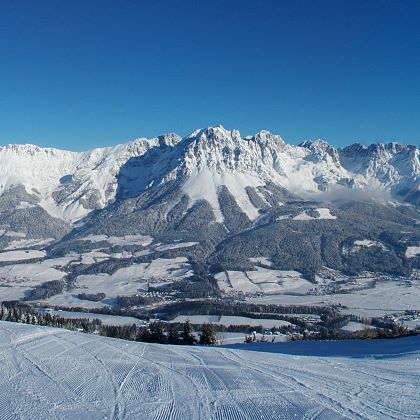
<point x="56" y="374"/>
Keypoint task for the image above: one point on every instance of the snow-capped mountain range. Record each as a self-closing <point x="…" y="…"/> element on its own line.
<point x="69" y="185"/>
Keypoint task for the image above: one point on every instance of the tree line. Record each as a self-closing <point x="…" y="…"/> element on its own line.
<point x="155" y="332"/>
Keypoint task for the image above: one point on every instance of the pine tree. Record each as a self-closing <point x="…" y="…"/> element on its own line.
<point x="187" y="335"/>
<point x="207" y="334"/>
<point x="157" y="334"/>
<point x="173" y="335"/>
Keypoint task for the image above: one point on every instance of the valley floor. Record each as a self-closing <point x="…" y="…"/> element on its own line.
<point x="57" y="374"/>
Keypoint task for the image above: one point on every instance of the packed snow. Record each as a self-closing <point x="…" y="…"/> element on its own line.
<point x="49" y="373"/>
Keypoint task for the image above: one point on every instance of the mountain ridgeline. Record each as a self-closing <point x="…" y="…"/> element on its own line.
<point x="305" y="207"/>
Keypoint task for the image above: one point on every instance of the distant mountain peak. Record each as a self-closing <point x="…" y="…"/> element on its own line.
<point x="216" y="155"/>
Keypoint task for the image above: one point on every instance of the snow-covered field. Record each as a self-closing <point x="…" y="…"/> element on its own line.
<point x="387" y="296"/>
<point x="70" y="300"/>
<point x="57" y="374"/>
<point x="362" y="244"/>
<point x="120" y="240"/>
<point x="263" y="280"/>
<point x="412" y="251"/>
<point x="16" y="280"/>
<point x="315" y="214"/>
<point x="177" y="245"/>
<point x="26" y="243"/>
<point x="135" y="278"/>
<point x="20" y="255"/>
<point x="103" y="254"/>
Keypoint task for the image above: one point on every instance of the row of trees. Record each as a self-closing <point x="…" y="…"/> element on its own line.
<point x="158" y="332"/>
<point x="46" y="290"/>
<point x="250" y="310"/>
<point x="155" y="332"/>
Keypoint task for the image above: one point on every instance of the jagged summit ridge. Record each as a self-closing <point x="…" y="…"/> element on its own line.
<point x="69" y="185"/>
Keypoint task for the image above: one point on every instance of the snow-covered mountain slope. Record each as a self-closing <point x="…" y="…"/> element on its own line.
<point x="49" y="373"/>
<point x="70" y="185"/>
<point x="208" y="159"/>
<point x="392" y="166"/>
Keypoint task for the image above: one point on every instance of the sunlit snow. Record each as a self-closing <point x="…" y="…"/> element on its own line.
<point x="49" y="374"/>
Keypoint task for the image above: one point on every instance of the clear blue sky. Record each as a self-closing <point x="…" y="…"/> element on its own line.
<point x="82" y="73"/>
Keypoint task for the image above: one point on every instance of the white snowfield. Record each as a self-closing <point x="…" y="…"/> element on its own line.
<point x="17" y="280"/>
<point x="27" y="243"/>
<point x="385" y="297"/>
<point x="21" y="255"/>
<point x="315" y="214"/>
<point x="364" y="243"/>
<point x="57" y="374"/>
<point x="135" y="278"/>
<point x="412" y="251"/>
<point x="262" y="280"/>
<point x="120" y="240"/>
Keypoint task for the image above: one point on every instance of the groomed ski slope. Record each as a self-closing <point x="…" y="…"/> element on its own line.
<point x="49" y="373"/>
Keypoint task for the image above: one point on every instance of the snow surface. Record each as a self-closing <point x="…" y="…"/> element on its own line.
<point x="320" y="214"/>
<point x="20" y="255"/>
<point x="364" y="243"/>
<point x="263" y="280"/>
<point x="70" y="300"/>
<point x="261" y="260"/>
<point x="205" y="160"/>
<point x="177" y="245"/>
<point x="283" y="217"/>
<point x="44" y="171"/>
<point x="120" y="240"/>
<point x="35" y="271"/>
<point x="386" y="297"/>
<point x="26" y="243"/>
<point x="412" y="251"/>
<point x="56" y="374"/>
<point x="204" y="184"/>
<point x="135" y="278"/>
<point x="16" y="280"/>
